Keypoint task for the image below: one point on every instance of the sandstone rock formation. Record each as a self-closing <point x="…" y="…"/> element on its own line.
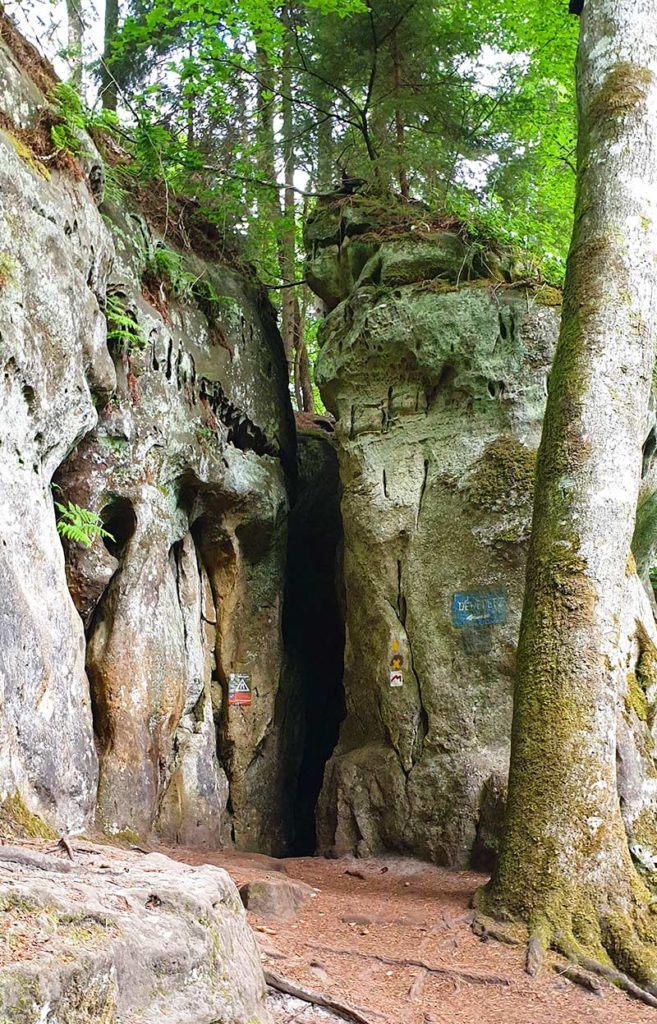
<point x="121" y="936"/>
<point x="55" y="253"/>
<point x="435" y="363"/>
<point x="275" y="897"/>
<point x="185" y="467"/>
<point x="168" y="415"/>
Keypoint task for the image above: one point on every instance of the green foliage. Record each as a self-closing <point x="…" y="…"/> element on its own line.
<point x="168" y="265"/>
<point x="123" y="331"/>
<point x="468" y="108"/>
<point x="74" y="118"/>
<point x="79" y="524"/>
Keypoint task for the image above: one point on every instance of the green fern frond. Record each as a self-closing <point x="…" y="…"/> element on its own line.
<point x="122" y="327"/>
<point x="79" y="524"/>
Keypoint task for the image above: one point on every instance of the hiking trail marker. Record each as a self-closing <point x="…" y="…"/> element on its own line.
<point x="396" y="662"/>
<point x="239" y="689"/>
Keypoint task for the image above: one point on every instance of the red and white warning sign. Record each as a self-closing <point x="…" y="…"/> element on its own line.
<point x="396" y="662"/>
<point x="239" y="688"/>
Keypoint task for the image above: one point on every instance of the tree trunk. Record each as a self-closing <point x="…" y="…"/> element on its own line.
<point x="108" y="80"/>
<point x="399" y="120"/>
<point x="288" y="235"/>
<point x="325" y="175"/>
<point x="565" y="867"/>
<point x="75" y="35"/>
<point x="303" y="388"/>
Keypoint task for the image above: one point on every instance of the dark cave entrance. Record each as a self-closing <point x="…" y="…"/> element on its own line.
<point x="313" y="624"/>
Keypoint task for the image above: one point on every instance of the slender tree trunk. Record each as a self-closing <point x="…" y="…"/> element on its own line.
<point x="565" y="868"/>
<point x="298" y="394"/>
<point x="325" y="176"/>
<point x="399" y="120"/>
<point x="288" y="236"/>
<point x="191" y="109"/>
<point x="75" y="39"/>
<point x="303" y="388"/>
<point x="268" y="202"/>
<point x="108" y="81"/>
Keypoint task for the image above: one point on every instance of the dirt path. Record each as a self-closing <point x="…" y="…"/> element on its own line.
<point x="401" y="909"/>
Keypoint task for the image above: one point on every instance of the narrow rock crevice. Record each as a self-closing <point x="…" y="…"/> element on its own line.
<point x="313" y="627"/>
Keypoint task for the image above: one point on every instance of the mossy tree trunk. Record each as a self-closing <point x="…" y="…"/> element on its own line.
<point x="565" y="869"/>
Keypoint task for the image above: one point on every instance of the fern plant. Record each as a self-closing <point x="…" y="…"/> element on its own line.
<point x="74" y="118"/>
<point x="122" y="329"/>
<point x="79" y="524"/>
<point x="166" y="265"/>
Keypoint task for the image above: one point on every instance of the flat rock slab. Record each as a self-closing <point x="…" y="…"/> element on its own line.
<point x="122" y="936"/>
<point x="275" y="897"/>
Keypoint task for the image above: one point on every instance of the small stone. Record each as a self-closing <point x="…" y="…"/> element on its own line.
<point x="274" y="897"/>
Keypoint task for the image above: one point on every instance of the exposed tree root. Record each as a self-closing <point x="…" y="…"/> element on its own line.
<point x="446" y="972"/>
<point x="30" y="859"/>
<point x="66" y="846"/>
<point x="578" y="977"/>
<point x="542" y="940"/>
<point x="608" y="972"/>
<point x="291" y="988"/>
<point x="537" y="947"/>
<point x="487" y="928"/>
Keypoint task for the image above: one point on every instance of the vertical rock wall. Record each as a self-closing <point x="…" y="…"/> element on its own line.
<point x="435" y="363"/>
<point x="55" y="254"/>
<point x="177" y="430"/>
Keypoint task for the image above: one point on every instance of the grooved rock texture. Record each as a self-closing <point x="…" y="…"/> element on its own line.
<point x="55" y="254"/>
<point x="123" y="937"/>
<point x="185" y="467"/>
<point x="171" y="420"/>
<point x="437" y="376"/>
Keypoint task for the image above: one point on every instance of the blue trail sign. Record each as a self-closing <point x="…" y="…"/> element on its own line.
<point x="479" y="607"/>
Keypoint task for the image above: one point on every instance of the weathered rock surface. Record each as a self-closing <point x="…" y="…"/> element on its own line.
<point x="120" y="936"/>
<point x="438" y="387"/>
<point x="178" y="432"/>
<point x="55" y="253"/>
<point x="274" y="897"/>
<point x="185" y="469"/>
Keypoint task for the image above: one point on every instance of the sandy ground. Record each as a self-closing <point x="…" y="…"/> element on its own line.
<point x="404" y="910"/>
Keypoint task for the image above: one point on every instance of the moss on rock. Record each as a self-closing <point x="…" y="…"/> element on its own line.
<point x="503" y="478"/>
<point x="546" y="295"/>
<point x="635" y="698"/>
<point x="17" y="822"/>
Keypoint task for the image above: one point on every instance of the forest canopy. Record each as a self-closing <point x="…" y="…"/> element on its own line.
<point x="252" y="110"/>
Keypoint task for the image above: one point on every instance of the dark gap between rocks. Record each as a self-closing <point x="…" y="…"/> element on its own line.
<point x="313" y="624"/>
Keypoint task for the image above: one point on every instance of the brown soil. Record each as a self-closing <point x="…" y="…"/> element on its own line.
<point x="401" y="909"/>
<point x="27" y="56"/>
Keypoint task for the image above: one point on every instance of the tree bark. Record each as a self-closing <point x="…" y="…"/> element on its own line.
<point x="565" y="868"/>
<point x="399" y="120"/>
<point x="75" y="37"/>
<point x="303" y="389"/>
<point x="109" y="91"/>
<point x="288" y="234"/>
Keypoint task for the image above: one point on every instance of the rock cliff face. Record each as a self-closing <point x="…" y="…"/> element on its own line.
<point x="435" y="364"/>
<point x="170" y="418"/>
<point x="189" y="674"/>
<point x="122" y="937"/>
